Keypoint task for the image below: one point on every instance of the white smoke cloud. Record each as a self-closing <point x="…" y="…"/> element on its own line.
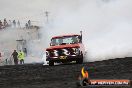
<point x="106" y="24"/>
<point x="106" y="27"/>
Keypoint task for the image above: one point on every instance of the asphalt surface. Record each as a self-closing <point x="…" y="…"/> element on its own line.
<point x="63" y="76"/>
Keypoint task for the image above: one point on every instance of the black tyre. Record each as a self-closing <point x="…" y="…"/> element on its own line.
<point x="80" y="60"/>
<point x="51" y="63"/>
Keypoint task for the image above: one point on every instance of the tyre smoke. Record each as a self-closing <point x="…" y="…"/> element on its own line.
<point x="106" y="26"/>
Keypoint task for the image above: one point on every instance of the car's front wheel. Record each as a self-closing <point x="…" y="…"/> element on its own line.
<point x="80" y="60"/>
<point x="51" y="63"/>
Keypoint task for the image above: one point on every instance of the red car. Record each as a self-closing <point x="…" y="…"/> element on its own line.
<point x="65" y="48"/>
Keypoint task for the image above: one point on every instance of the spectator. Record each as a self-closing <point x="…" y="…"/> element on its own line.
<point x="15" y="57"/>
<point x="18" y="24"/>
<point x="10" y="23"/>
<point x="14" y="23"/>
<point x="0" y="55"/>
<point x="5" y="23"/>
<point x="1" y="25"/>
<point x="25" y="51"/>
<point x="29" y="23"/>
<point x="26" y="25"/>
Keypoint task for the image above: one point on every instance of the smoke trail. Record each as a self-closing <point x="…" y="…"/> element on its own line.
<point x="106" y="26"/>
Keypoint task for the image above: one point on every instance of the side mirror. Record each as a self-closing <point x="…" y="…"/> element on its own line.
<point x="81" y="32"/>
<point x="81" y="36"/>
<point x="80" y="39"/>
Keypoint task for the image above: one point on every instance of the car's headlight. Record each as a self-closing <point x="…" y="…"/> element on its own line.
<point x="65" y="52"/>
<point x="76" y="51"/>
<point x="47" y="53"/>
<point x="55" y="52"/>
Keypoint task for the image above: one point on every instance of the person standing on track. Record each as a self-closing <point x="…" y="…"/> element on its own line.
<point x="15" y="55"/>
<point x="21" y="57"/>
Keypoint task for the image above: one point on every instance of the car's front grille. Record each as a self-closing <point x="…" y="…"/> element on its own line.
<point x="61" y="52"/>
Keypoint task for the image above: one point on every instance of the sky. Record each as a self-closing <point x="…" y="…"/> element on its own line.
<point x="25" y="9"/>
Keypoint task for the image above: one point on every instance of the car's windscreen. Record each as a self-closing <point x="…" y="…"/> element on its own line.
<point x="65" y="40"/>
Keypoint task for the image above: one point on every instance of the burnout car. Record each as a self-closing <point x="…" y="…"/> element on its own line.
<point x="65" y="48"/>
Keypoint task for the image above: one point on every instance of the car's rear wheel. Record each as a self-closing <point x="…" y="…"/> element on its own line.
<point x="51" y="63"/>
<point x="80" y="60"/>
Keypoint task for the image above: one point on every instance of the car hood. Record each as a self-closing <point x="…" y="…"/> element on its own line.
<point x="63" y="46"/>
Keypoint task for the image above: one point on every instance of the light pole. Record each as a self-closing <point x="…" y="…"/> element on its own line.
<point x="47" y="16"/>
